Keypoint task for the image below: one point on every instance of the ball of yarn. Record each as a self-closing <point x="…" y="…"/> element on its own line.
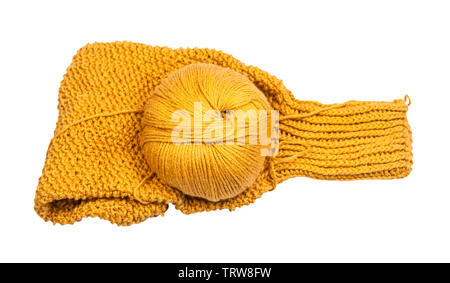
<point x="212" y="171"/>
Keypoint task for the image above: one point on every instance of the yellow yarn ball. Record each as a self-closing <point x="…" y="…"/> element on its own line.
<point x="211" y="171"/>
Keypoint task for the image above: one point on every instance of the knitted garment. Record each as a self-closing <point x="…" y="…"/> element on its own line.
<point x="95" y="167"/>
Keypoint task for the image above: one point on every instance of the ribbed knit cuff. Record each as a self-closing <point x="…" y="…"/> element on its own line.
<point x="354" y="140"/>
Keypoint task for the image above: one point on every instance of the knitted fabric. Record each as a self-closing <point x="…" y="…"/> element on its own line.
<point x="95" y="167"/>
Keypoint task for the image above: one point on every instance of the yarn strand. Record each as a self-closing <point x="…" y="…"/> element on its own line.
<point x="138" y="186"/>
<point x="318" y="111"/>
<point x="93" y="117"/>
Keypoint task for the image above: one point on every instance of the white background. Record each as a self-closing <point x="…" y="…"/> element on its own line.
<point x="329" y="51"/>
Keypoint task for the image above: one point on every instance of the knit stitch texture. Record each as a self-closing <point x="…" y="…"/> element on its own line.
<point x="95" y="168"/>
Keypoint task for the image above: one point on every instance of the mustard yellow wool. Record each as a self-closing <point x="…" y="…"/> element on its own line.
<point x="102" y="162"/>
<point x="211" y="171"/>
